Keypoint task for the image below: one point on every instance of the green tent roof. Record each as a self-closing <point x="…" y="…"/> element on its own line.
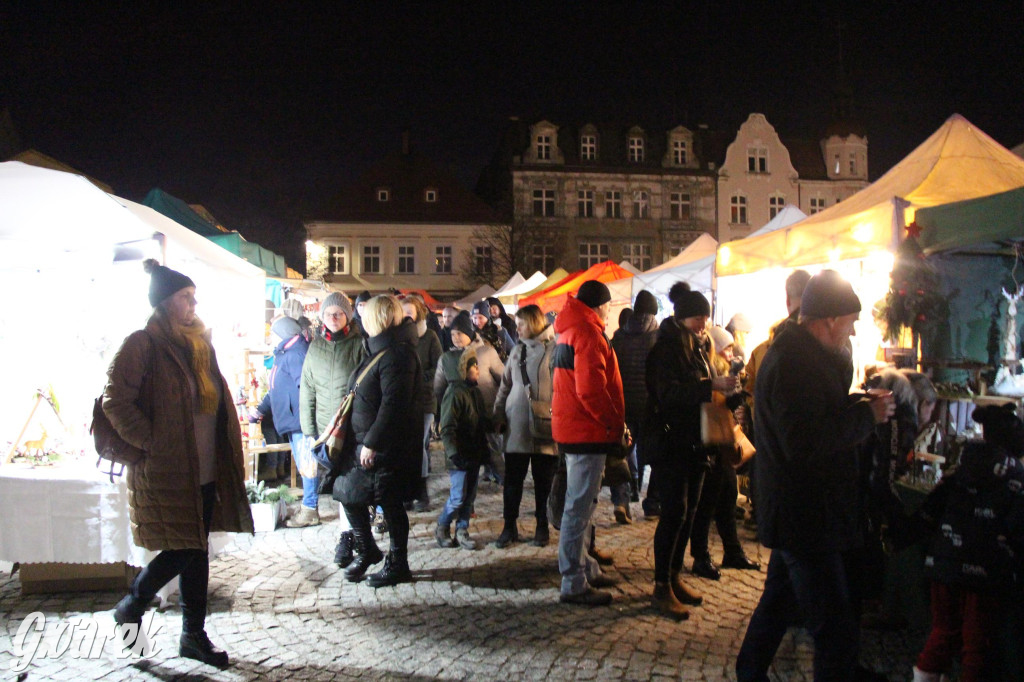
<point x="975" y="224"/>
<point x="272" y="263"/>
<point x="180" y="212"/>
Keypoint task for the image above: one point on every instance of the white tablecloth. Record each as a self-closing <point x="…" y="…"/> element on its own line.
<point x="68" y="514"/>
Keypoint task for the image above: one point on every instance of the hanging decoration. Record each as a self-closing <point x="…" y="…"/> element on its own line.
<point x="913" y="301"/>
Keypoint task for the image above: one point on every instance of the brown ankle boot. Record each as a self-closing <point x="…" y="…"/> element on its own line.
<point x="667" y="604"/>
<point x="684" y="593"/>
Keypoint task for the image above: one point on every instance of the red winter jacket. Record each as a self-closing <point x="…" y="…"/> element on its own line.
<point x="587" y="408"/>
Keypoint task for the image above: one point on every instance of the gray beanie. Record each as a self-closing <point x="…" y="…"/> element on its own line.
<point x="293" y="308"/>
<point x="645" y="303"/>
<point x="827" y="294"/>
<point x="593" y="294"/>
<point x="339" y="299"/>
<point x="285" y="328"/>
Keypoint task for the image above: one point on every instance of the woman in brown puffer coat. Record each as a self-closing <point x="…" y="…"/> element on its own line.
<point x="166" y="396"/>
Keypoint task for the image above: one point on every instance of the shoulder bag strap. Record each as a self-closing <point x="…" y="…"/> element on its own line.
<point x="366" y="370"/>
<point x="522" y="368"/>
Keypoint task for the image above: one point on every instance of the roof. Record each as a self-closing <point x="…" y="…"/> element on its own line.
<point x="554" y="298"/>
<point x="407" y="177"/>
<point x="981" y="224"/>
<point x="807" y="158"/>
<point x="36" y="158"/>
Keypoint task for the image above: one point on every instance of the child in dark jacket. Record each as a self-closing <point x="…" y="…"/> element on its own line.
<point x="975" y="555"/>
<point x="465" y="423"/>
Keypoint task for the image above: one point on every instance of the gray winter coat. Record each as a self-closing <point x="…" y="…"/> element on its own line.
<point x="491" y="369"/>
<point x="512" y="405"/>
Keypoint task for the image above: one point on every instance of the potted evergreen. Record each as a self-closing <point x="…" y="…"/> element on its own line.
<point x="268" y="505"/>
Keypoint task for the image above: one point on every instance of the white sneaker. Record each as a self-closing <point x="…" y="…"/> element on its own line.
<point x="306" y="516"/>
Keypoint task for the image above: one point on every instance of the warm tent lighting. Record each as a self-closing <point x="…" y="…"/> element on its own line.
<point x="863" y="233"/>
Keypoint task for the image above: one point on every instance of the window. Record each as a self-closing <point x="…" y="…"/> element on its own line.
<point x="738" y="210"/>
<point x="430" y="196"/>
<point x="853" y="163"/>
<point x="639" y="255"/>
<point x="337" y="259"/>
<point x="641" y="205"/>
<point x="371" y="260"/>
<point x="543" y="258"/>
<point x="443" y="260"/>
<point x="679" y="206"/>
<point x="636" y="149"/>
<point x="592" y="253"/>
<point x="775" y="204"/>
<point x="544" y="147"/>
<point x="406" y="260"/>
<point x="484" y="261"/>
<point x="588" y="148"/>
<point x="817" y="205"/>
<point x="757" y="160"/>
<point x="837" y="164"/>
<point x="613" y="204"/>
<point x="679" y="152"/>
<point x="585" y="203"/>
<point x="383" y="195"/>
<point x="544" y="203"/>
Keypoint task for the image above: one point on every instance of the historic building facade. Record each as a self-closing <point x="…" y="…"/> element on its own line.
<point x="405" y="224"/>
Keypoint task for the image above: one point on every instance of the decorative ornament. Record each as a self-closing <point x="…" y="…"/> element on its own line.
<point x="913" y="230"/>
<point x="913" y="300"/>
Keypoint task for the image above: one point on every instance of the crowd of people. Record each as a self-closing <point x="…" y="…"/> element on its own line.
<point x="559" y="399"/>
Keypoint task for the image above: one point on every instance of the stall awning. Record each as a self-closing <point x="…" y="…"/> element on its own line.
<point x="976" y="224"/>
<point x="267" y="260"/>
<point x="554" y="298"/>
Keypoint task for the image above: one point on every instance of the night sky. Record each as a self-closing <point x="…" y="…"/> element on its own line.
<point x="260" y="111"/>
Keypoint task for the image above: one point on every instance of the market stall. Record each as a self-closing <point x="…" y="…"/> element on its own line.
<point x="553" y="298"/>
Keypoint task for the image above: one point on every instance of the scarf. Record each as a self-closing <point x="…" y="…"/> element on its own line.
<point x="193" y="340"/>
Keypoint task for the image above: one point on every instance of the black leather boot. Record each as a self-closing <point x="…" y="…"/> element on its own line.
<point x="368" y="555"/>
<point x="197" y="645"/>
<point x="509" y="535"/>
<point x="543" y="536"/>
<point x="343" y="552"/>
<point x="395" y="571"/>
<point x="129" y="611"/>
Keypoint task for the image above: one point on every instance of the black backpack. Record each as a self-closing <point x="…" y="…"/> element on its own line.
<point x="115" y="453"/>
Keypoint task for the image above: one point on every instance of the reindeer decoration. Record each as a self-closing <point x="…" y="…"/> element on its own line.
<point x="1008" y="381"/>
<point x="37" y="446"/>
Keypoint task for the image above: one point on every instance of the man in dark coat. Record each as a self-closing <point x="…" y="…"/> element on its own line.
<point x="807" y="427"/>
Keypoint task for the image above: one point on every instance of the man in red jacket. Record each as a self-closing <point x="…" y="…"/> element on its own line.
<point x="587" y="421"/>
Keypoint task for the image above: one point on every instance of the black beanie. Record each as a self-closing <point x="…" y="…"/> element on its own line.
<point x="593" y="294"/>
<point x="691" y="304"/>
<point x="363" y="297"/>
<point x="827" y="294"/>
<point x="463" y="323"/>
<point x="1002" y="427"/>
<point x="645" y="303"/>
<point x="164" y="282"/>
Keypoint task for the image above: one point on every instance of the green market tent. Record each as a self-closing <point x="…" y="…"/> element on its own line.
<point x="271" y="263"/>
<point x="973" y="225"/>
<point x="180" y="212"/>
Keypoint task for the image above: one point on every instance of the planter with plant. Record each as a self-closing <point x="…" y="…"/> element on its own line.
<point x="268" y="505"/>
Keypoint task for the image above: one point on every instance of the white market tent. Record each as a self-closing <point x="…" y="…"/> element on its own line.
<point x="787" y="216"/>
<point x="858" y="236"/>
<point x="513" y="282"/>
<point x="511" y="294"/>
<point x="480" y="294"/>
<point x="71" y="248"/>
<point x="626" y="265"/>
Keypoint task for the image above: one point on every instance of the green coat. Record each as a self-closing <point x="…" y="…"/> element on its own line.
<point x="326" y="375"/>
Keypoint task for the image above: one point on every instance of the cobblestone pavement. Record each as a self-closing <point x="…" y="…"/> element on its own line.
<point x="283" y="610"/>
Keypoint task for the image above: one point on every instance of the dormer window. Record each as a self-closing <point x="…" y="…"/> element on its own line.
<point x="430" y="196"/>
<point x="636" y="149"/>
<point x="383" y="194"/>
<point x="544" y="147"/>
<point x="588" y="147"/>
<point x="680" y="152"/>
<point x="757" y="160"/>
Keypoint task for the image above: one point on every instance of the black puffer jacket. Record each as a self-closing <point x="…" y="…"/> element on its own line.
<point x="386" y="417"/>
<point x="807" y="427"/>
<point x="976" y="516"/>
<point x="632" y="343"/>
<point x="678" y="378"/>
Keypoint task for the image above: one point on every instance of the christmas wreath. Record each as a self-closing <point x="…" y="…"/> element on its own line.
<point x="913" y="300"/>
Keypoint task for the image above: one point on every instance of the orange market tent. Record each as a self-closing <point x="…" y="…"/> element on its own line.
<point x="432" y="303"/>
<point x="554" y="278"/>
<point x="554" y="297"/>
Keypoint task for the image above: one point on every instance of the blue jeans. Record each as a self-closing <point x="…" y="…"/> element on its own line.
<point x="812" y="585"/>
<point x="428" y="421"/>
<point x="582" y="483"/>
<point x="460" y="497"/>
<point x="309" y="485"/>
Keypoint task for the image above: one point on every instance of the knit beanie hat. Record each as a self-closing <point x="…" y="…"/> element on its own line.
<point x="645" y="303"/>
<point x="827" y="294"/>
<point x="363" y="297"/>
<point x="739" y="323"/>
<point x="464" y="324"/>
<point x="339" y="299"/>
<point x="164" y="282"/>
<point x="482" y="308"/>
<point x="293" y="308"/>
<point x="691" y="304"/>
<point x="1001" y="427"/>
<point x="593" y="294"/>
<point x="721" y="338"/>
<point x="285" y="328"/>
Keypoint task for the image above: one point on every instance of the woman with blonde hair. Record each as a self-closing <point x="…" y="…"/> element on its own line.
<point x="527" y="378"/>
<point x="381" y="462"/>
<point x="165" y="395"/>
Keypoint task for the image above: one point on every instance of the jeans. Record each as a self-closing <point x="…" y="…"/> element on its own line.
<point x="516" y="465"/>
<point x="461" y="497"/>
<point x="583" y="481"/>
<point x="718" y="502"/>
<point x="192" y="566"/>
<point x="310" y="486"/>
<point x="428" y="422"/>
<point x="681" y="482"/>
<point x="812" y="585"/>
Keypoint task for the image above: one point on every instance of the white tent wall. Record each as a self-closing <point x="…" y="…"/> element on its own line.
<point x="480" y="294"/>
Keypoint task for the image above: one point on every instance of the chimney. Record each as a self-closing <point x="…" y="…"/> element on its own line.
<point x="405" y="143"/>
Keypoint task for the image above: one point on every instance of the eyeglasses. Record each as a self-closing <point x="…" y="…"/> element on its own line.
<point x="334" y="316"/>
